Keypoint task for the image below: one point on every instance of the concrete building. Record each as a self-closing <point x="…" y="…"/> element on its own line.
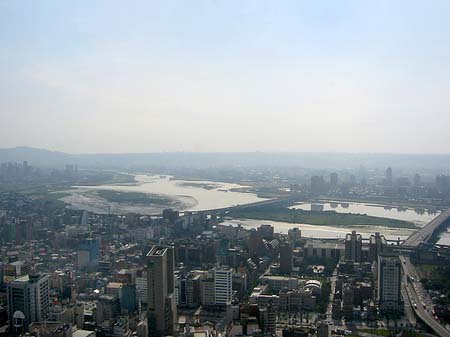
<point x="389" y="176"/>
<point x="207" y="292"/>
<point x="324" y="249"/>
<point x="28" y="301"/>
<point x="294" y="234"/>
<point x="223" y="286"/>
<point x="142" y="286"/>
<point x="389" y="276"/>
<point x="333" y="179"/>
<point x="353" y="247"/>
<point x="162" y="310"/>
<point x="377" y="245"/>
<point x="285" y="259"/>
<point x="266" y="232"/>
<point x="277" y="283"/>
<point x="267" y="319"/>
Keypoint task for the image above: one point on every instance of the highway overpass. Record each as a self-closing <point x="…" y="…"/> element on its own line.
<point x="430" y="230"/>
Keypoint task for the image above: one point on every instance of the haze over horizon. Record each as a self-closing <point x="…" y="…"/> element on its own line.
<point x="225" y="76"/>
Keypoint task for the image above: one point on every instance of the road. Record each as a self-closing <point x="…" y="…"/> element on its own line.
<point x="426" y="232"/>
<point x="333" y="290"/>
<point x="419" y="299"/>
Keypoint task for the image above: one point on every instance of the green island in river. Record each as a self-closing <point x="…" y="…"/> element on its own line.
<point x="133" y="197"/>
<point x="325" y="218"/>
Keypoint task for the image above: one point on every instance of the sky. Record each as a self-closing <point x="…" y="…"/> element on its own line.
<point x="110" y="76"/>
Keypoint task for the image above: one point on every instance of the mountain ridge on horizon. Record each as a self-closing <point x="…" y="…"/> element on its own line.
<point x="201" y="160"/>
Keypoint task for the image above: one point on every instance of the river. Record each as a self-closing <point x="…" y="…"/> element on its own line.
<point x="315" y="231"/>
<point x="204" y="195"/>
<point x="186" y="195"/>
<point x="324" y="232"/>
<point x="392" y="212"/>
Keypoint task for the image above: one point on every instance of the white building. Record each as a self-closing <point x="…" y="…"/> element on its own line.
<point x="389" y="282"/>
<point x="223" y="286"/>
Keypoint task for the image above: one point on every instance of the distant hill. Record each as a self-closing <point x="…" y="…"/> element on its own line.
<point x="46" y="158"/>
<point x="37" y="157"/>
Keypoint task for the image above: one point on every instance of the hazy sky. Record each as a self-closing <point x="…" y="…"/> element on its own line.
<point x="146" y="76"/>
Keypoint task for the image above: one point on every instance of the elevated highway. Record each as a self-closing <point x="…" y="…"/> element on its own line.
<point x="429" y="231"/>
<point x="419" y="299"/>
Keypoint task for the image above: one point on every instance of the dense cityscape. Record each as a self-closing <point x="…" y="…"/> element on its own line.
<point x="223" y="168"/>
<point x="69" y="272"/>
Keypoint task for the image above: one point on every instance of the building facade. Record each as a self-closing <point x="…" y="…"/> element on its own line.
<point x="223" y="286"/>
<point x="28" y="301"/>
<point x="389" y="275"/>
<point x="162" y="310"/>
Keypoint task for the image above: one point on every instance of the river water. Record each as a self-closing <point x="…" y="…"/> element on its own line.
<point x="324" y="232"/>
<point x="421" y="217"/>
<point x="204" y="195"/>
<point x="186" y="195"/>
<point x="315" y="231"/>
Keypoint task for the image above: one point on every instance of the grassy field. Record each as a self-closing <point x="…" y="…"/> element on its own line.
<point x="200" y="185"/>
<point x="378" y="332"/>
<point x="328" y="218"/>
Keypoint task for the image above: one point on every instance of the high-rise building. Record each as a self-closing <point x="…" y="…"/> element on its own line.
<point x="267" y="319"/>
<point x="28" y="301"/>
<point x="128" y="298"/>
<point x="88" y="254"/>
<point x="207" y="292"/>
<point x="142" y="286"/>
<point x="223" y="286"/>
<point x="333" y="179"/>
<point x="389" y="274"/>
<point x="162" y="310"/>
<point x="417" y="179"/>
<point x="294" y="234"/>
<point x="353" y="247"/>
<point x="255" y="244"/>
<point x="265" y="232"/>
<point x="285" y="258"/>
<point x="317" y="185"/>
<point x="389" y="176"/>
<point x="348" y="296"/>
<point x="377" y="245"/>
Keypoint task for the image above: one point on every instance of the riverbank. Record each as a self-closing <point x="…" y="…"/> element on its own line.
<point x="324" y="218"/>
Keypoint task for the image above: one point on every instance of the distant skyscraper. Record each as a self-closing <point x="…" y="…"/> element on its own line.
<point x="88" y="254"/>
<point x="417" y="179"/>
<point x="353" y="247"/>
<point x="162" y="310"/>
<point x="389" y="176"/>
<point x="223" y="286"/>
<point x="317" y="185"/>
<point x="333" y="179"/>
<point x="266" y="232"/>
<point x="389" y="282"/>
<point x="255" y="244"/>
<point x="28" y="301"/>
<point x="285" y="258"/>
